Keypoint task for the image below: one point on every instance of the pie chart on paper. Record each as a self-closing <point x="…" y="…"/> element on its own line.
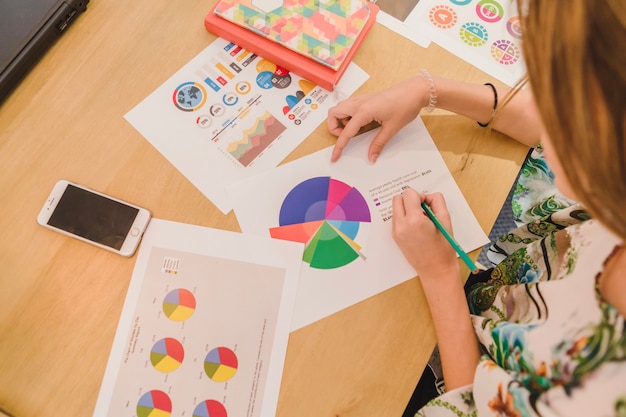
<point x="325" y="214"/>
<point x="167" y="355"/>
<point x="179" y="304"/>
<point x="221" y="364"/>
<point x="154" y="404"/>
<point x="210" y="408"/>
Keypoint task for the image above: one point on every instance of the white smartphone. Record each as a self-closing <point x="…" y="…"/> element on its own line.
<point x="94" y="217"/>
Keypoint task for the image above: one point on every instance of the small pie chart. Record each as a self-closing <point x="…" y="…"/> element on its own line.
<point x="154" y="404"/>
<point x="179" y="304"/>
<point x="210" y="408"/>
<point x="326" y="215"/>
<point x="167" y="355"/>
<point x="221" y="364"/>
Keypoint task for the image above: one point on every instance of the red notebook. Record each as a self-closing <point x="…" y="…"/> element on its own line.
<point x="299" y="64"/>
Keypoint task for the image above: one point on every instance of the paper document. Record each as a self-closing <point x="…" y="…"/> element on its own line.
<point x="204" y="327"/>
<point x="393" y="14"/>
<point x="229" y="114"/>
<point x="342" y="213"/>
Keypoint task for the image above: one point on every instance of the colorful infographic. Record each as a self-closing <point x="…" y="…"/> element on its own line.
<point x="247" y="145"/>
<point x="325" y="214"/>
<point x="205" y="325"/>
<point x="233" y="112"/>
<point x="341" y="213"/>
<point x="229" y="114"/>
<point x="485" y="33"/>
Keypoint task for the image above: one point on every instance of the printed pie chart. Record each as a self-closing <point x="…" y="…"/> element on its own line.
<point x="210" y="408"/>
<point x="221" y="364"/>
<point x="167" y="354"/>
<point x="179" y="305"/>
<point x="325" y="214"/>
<point x="154" y="404"/>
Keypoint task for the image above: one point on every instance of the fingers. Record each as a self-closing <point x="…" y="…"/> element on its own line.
<point x="437" y="203"/>
<point x="397" y="207"/>
<point x="417" y="236"/>
<point x="406" y="205"/>
<point x="337" y="122"/>
<point x="351" y="127"/>
<point x="378" y="143"/>
<point x="340" y="115"/>
<point x="354" y="127"/>
<point x="346" y="119"/>
<point x="412" y="198"/>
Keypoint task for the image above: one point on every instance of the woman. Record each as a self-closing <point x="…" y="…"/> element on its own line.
<point x="546" y="334"/>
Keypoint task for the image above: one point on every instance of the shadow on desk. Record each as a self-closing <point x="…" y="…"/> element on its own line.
<point x="4" y="413"/>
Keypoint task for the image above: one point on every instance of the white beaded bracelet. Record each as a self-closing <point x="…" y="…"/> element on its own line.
<point x="432" y="97"/>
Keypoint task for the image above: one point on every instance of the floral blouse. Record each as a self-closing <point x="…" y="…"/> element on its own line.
<point x="535" y="195"/>
<point x="552" y="346"/>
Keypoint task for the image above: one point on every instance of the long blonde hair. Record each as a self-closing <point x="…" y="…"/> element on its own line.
<point x="575" y="52"/>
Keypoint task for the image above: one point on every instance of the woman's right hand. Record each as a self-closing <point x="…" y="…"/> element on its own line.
<point x="392" y="108"/>
<point x="421" y="243"/>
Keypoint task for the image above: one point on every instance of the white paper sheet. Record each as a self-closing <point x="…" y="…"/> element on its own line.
<point x="396" y="22"/>
<point x="485" y="33"/>
<point x="266" y="202"/>
<point x="229" y="114"/>
<point x="204" y="327"/>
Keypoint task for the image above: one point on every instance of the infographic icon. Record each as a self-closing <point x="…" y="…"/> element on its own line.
<point x="505" y="52"/>
<point x="189" y="96"/>
<point x="325" y="214"/>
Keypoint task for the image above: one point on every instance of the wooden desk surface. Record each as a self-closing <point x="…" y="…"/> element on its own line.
<point x="60" y="299"/>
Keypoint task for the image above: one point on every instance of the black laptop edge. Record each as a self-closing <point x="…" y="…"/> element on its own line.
<point x="32" y="52"/>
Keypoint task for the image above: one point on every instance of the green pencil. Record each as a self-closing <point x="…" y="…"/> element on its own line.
<point x="429" y="212"/>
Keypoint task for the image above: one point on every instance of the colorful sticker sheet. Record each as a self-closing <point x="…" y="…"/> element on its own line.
<point x="485" y="33"/>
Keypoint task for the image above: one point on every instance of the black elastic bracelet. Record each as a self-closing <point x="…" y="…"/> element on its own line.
<point x="495" y="106"/>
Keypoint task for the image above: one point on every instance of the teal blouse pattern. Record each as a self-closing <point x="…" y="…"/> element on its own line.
<point x="552" y="346"/>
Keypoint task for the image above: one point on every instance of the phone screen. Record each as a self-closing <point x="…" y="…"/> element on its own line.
<point x="93" y="217"/>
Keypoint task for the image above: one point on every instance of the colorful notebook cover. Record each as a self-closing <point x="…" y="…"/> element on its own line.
<point x="324" y="31"/>
<point x="295" y="62"/>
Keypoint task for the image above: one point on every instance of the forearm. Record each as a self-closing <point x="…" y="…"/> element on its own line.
<point x="437" y="265"/>
<point x="458" y="347"/>
<point x="475" y="101"/>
